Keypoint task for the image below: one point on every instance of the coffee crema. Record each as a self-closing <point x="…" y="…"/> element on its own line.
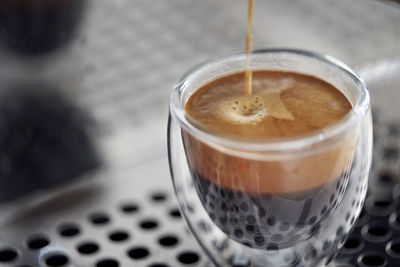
<point x="282" y="105"/>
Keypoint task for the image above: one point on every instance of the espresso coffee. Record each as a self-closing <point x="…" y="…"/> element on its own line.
<point x="265" y="201"/>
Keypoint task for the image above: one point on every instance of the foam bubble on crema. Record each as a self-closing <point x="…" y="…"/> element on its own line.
<point x="243" y="110"/>
<point x="255" y="108"/>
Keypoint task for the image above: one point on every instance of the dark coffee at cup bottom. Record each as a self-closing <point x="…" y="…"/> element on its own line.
<point x="269" y="220"/>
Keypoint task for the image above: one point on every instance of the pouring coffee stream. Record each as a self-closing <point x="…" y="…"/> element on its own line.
<point x="249" y="45"/>
<point x="248" y="108"/>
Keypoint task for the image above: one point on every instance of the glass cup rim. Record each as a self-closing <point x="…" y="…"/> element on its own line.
<point x="359" y="109"/>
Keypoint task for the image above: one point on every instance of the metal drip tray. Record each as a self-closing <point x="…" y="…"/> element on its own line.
<point x="103" y="223"/>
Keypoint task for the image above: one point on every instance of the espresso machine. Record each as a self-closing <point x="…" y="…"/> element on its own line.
<point x="84" y="89"/>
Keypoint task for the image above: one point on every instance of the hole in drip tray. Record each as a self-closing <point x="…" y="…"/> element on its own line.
<point x="188" y="257"/>
<point x="352" y="245"/>
<point x="37" y="242"/>
<point x="118" y="236"/>
<point x="372" y="260"/>
<point x="383" y="203"/>
<point x="380" y="207"/>
<point x="69" y="230"/>
<point x="88" y="248"/>
<point x="158" y="265"/>
<point x="8" y="255"/>
<point x="148" y="224"/>
<point x="168" y="240"/>
<point x="107" y="263"/>
<point x="158" y="197"/>
<point x="129" y="208"/>
<point x="175" y="213"/>
<point x="378" y="231"/>
<point x="138" y="253"/>
<point x="56" y="260"/>
<point x="99" y="218"/>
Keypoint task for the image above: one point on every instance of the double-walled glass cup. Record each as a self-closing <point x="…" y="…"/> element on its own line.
<point x="283" y="202"/>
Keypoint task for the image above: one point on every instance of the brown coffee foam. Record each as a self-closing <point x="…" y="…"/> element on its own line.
<point x="246" y="110"/>
<point x="283" y="104"/>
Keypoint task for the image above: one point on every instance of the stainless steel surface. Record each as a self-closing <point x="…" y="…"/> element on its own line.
<point x="108" y="194"/>
<point x="121" y="68"/>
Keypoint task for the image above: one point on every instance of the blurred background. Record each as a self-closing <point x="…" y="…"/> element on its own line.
<point x="84" y="92"/>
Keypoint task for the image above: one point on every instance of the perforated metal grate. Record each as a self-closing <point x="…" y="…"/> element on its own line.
<point x="143" y="230"/>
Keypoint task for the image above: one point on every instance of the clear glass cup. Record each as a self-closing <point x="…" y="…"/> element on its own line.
<point x="247" y="218"/>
